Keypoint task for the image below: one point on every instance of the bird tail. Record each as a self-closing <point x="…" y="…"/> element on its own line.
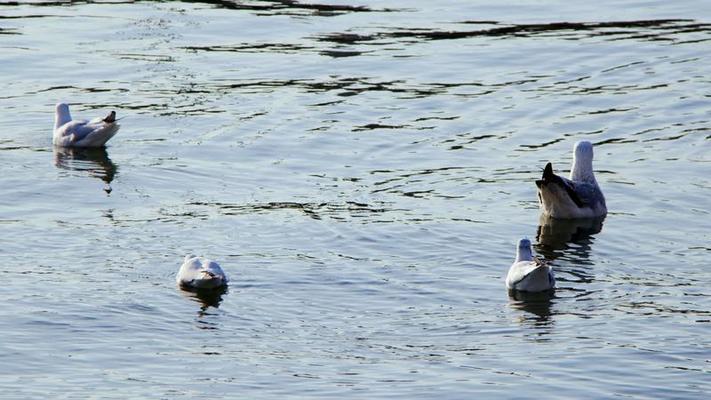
<point x="111" y="118"/>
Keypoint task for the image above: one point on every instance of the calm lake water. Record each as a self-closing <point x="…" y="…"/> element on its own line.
<point x="362" y="171"/>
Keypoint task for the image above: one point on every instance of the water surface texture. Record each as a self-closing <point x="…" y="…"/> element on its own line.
<point x="363" y="172"/>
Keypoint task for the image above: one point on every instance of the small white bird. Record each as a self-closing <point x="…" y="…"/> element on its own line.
<point x="528" y="274"/>
<point x="200" y="273"/>
<point x="82" y="133"/>
<point x="577" y="197"/>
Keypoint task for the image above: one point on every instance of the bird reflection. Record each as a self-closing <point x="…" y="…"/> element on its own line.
<point x="537" y="304"/>
<point x="205" y="297"/>
<point x="570" y="240"/>
<point x="555" y="235"/>
<point x="95" y="162"/>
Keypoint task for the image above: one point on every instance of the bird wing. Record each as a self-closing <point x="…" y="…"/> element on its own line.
<point x="80" y="129"/>
<point x="214" y="269"/>
<point x="569" y="186"/>
<point x="570" y="189"/>
<point x="588" y="193"/>
<point x="189" y="270"/>
<point x="519" y="271"/>
<point x="96" y="135"/>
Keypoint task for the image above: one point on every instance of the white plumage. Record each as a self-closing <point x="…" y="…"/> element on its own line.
<point x="82" y="133"/>
<point x="528" y="274"/>
<point x="200" y="273"/>
<point x="576" y="197"/>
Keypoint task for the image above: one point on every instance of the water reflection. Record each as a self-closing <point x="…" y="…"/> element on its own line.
<point x="290" y="7"/>
<point x="316" y="211"/>
<point x="205" y="297"/>
<point x="570" y="240"/>
<point x="94" y="162"/>
<point x="555" y="234"/>
<point x="649" y="30"/>
<point x="537" y="305"/>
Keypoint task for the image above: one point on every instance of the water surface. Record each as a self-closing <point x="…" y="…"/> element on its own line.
<point x="363" y="172"/>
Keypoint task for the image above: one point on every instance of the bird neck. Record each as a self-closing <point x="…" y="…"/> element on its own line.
<point x="582" y="170"/>
<point x="61" y="117"/>
<point x="523" y="254"/>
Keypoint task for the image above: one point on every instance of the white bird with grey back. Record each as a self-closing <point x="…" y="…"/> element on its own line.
<point x="577" y="197"/>
<point x="200" y="273"/>
<point x="528" y="274"/>
<point x="82" y="133"/>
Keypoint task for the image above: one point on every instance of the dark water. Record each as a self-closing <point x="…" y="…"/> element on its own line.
<point x="362" y="171"/>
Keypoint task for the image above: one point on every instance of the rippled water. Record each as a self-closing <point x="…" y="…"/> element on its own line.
<point x="363" y="172"/>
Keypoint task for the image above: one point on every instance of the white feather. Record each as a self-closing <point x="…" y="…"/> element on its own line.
<point x="528" y="274"/>
<point x="200" y="273"/>
<point x="555" y="196"/>
<point x="80" y="133"/>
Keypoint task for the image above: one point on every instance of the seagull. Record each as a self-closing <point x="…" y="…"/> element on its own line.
<point x="527" y="273"/>
<point x="82" y="133"/>
<point x="200" y="273"/>
<point x="576" y="197"/>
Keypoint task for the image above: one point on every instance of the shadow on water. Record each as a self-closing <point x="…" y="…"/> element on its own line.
<point x="94" y="162"/>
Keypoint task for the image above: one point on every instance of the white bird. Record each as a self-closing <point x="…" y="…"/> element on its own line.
<point x="200" y="273"/>
<point x="528" y="274"/>
<point x="82" y="133"/>
<point x="577" y="197"/>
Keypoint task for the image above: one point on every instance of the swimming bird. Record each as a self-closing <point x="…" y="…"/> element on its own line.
<point x="82" y="133"/>
<point x="200" y="273"/>
<point x="576" y="197"/>
<point x="527" y="273"/>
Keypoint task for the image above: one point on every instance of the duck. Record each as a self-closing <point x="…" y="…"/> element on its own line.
<point x="200" y="273"/>
<point x="576" y="197"/>
<point x="82" y="133"/>
<point x="527" y="273"/>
